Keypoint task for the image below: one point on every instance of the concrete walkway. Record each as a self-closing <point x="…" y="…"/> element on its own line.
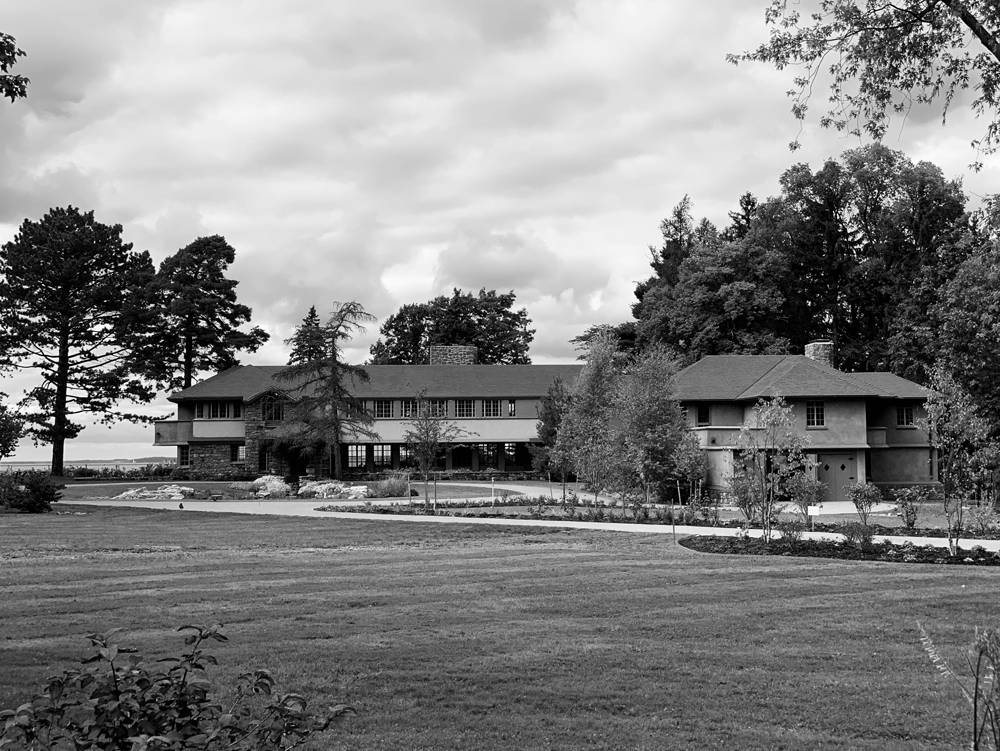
<point x="308" y="508"/>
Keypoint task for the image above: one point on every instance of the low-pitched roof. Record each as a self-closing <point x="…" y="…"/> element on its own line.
<point x="750" y="377"/>
<point x="247" y="382"/>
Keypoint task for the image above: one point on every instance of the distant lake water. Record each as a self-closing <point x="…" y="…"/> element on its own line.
<point x="119" y="464"/>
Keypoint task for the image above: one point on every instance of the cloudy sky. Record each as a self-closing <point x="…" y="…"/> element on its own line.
<point x="387" y="151"/>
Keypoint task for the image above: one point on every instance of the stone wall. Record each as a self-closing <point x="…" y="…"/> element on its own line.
<point x="453" y="355"/>
<point x="214" y="460"/>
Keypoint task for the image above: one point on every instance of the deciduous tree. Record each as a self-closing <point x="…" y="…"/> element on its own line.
<point x="201" y="318"/>
<point x="544" y="456"/>
<point x="75" y="310"/>
<point x="771" y="454"/>
<point x="487" y="321"/>
<point x="428" y="435"/>
<point x="881" y="58"/>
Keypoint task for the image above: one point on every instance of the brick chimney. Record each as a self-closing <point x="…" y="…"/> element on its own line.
<point x="821" y="351"/>
<point x="453" y="354"/>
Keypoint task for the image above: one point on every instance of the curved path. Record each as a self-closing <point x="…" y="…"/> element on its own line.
<point x="308" y="508"/>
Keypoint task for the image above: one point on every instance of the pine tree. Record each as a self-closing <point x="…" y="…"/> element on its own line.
<point x="323" y="409"/>
<point x="74" y="308"/>
<point x="307" y="341"/>
<point x="201" y="323"/>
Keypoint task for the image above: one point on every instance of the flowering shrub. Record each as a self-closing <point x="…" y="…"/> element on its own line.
<point x="332" y="489"/>
<point x="162" y="493"/>
<point x="271" y="486"/>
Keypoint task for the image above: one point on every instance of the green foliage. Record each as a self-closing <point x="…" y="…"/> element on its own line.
<point x="792" y="531"/>
<point x="396" y="486"/>
<point x="487" y="321"/>
<point x="554" y="407"/>
<point x="28" y="492"/>
<point x="199" y="330"/>
<point x="880" y="59"/>
<point x="858" y="251"/>
<point x="120" y="702"/>
<point x="307" y="342"/>
<point x="771" y="454"/>
<point x="805" y="490"/>
<point x="73" y="308"/>
<point x="428" y="435"/>
<point x="865" y="496"/>
<point x="857" y="534"/>
<point x="11" y="429"/>
<point x="322" y="408"/>
<point x="980" y="686"/>
<point x="909" y="502"/>
<point x="12" y="86"/>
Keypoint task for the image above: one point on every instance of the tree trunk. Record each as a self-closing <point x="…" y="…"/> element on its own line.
<point x="59" y="417"/>
<point x="188" y="359"/>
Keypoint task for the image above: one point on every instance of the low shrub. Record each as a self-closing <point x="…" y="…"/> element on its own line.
<point x="982" y="518"/>
<point x="119" y="702"/>
<point x="792" y="531"/>
<point x="29" y="492"/>
<point x="397" y="486"/>
<point x="857" y="534"/>
<point x="908" y="502"/>
<point x="864" y="496"/>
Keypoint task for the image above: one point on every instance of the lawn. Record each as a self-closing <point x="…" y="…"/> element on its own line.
<point x="459" y="637"/>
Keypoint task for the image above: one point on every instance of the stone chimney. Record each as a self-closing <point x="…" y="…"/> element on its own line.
<point x="453" y="354"/>
<point x="821" y="351"/>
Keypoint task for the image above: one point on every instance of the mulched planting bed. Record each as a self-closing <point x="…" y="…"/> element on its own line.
<point x="876" y="551"/>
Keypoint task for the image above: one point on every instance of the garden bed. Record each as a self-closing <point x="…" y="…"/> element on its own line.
<point x="875" y="551"/>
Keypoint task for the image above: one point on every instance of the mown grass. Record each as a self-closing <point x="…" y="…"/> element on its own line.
<point x="458" y="637"/>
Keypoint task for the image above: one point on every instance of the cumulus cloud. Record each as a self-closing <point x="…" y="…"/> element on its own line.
<point x="388" y="151"/>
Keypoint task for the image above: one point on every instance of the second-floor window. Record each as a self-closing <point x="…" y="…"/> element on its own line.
<point x="465" y="408"/>
<point x="383" y="409"/>
<point x="704" y="414"/>
<point x="437" y="407"/>
<point x="904" y="417"/>
<point x="217" y="410"/>
<point x="511" y="408"/>
<point x="815" y="415"/>
<point x="491" y="408"/>
<point x="272" y="410"/>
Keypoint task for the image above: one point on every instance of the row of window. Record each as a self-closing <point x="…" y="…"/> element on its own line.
<point x="385" y="409"/>
<point x="489" y="454"/>
<point x="816" y="415"/>
<point x="218" y="410"/>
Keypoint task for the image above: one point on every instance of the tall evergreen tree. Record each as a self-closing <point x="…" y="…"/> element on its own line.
<point x="201" y="318"/>
<point x="74" y="309"/>
<point x="307" y="342"/>
<point x="324" y="411"/>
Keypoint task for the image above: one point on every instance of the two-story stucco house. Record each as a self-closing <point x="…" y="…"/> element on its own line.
<point x="861" y="426"/>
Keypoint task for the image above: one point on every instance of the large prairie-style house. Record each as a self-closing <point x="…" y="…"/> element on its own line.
<point x="223" y="422"/>
<point x="861" y="425"/>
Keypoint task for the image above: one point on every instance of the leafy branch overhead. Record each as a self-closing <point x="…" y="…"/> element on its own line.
<point x="879" y="59"/>
<point x="12" y="86"/>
